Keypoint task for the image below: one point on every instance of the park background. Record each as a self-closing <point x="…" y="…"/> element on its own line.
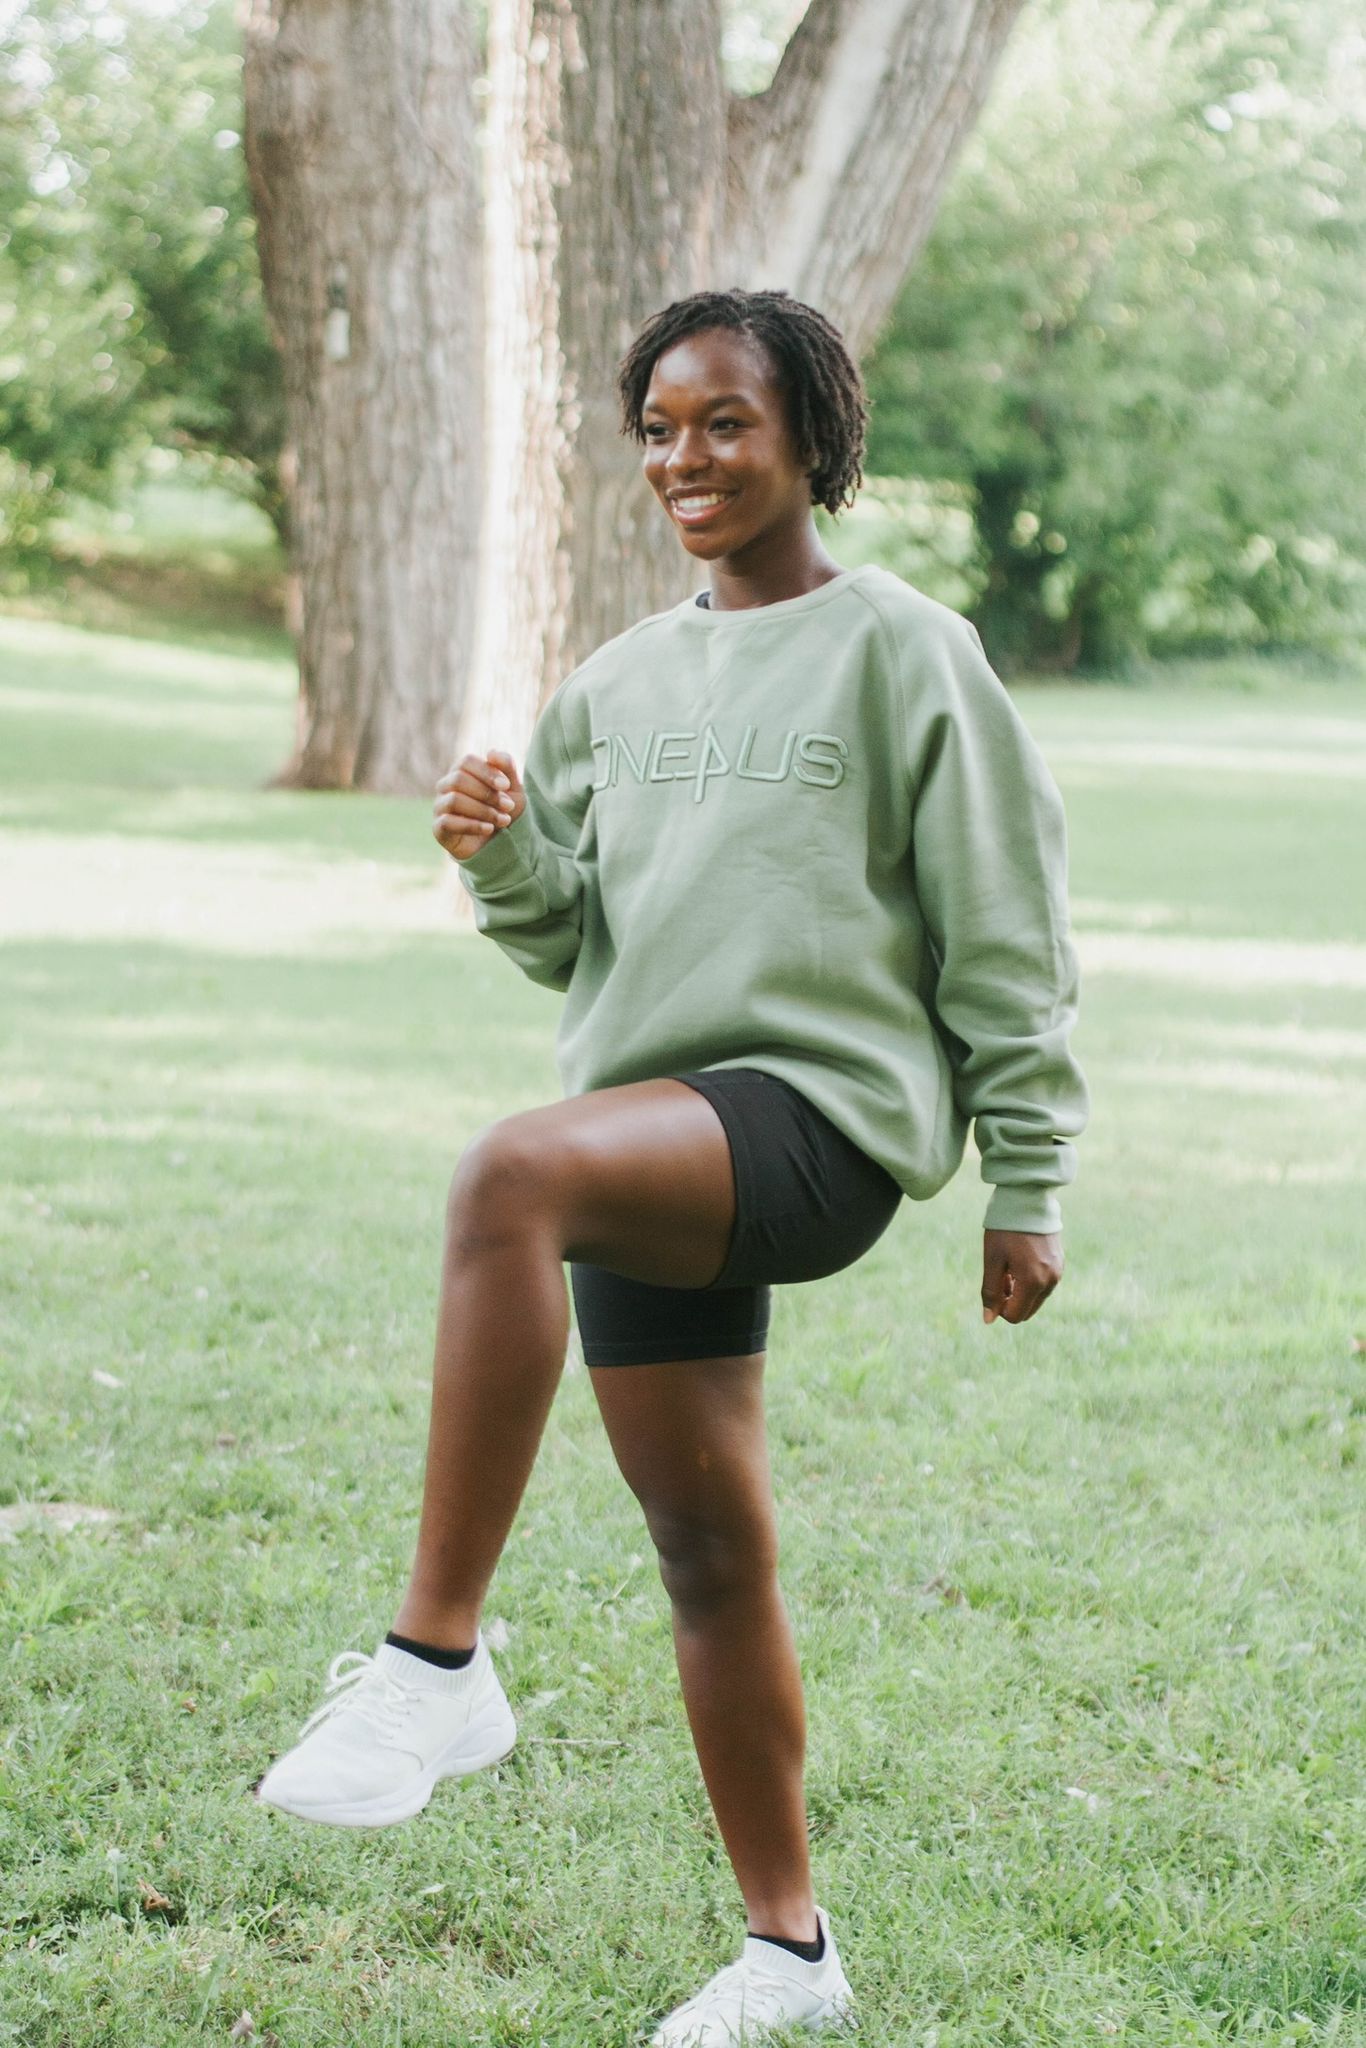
<point x="1079" y="1603"/>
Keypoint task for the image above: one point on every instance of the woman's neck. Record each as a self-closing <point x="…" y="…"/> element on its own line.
<point x="789" y="572"/>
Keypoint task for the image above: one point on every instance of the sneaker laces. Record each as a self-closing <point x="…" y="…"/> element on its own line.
<point x="369" y="1691"/>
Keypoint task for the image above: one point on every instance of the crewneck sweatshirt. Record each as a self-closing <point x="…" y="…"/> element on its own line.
<point x="813" y="837"/>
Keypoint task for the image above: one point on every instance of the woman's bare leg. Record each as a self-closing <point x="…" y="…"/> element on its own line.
<point x="690" y="1440"/>
<point x="638" y="1178"/>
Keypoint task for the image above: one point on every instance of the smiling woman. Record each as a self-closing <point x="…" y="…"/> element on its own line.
<point x="751" y="412"/>
<point x="799" y="870"/>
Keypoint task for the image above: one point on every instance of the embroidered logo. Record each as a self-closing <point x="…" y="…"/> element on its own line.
<point x="816" y="758"/>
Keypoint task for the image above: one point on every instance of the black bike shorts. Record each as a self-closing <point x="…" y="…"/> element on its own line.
<point x="808" y="1202"/>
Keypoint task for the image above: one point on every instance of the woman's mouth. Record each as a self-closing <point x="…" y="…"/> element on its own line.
<point x="699" y="508"/>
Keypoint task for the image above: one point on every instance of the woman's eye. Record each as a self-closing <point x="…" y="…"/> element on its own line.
<point x="656" y="431"/>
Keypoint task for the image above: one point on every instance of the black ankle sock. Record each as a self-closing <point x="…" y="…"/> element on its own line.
<point x="445" y="1660"/>
<point x="809" y="1951"/>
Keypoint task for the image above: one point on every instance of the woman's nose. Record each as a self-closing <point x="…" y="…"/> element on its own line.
<point x="687" y="453"/>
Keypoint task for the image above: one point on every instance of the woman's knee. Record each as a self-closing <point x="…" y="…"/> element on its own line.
<point x="707" y="1561"/>
<point x="501" y="1182"/>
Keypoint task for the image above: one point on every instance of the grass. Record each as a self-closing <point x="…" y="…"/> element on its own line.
<point x="1079" y="1604"/>
<point x="178" y="558"/>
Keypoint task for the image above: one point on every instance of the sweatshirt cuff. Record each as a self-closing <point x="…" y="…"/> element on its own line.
<point x="508" y="855"/>
<point x="1035" y="1209"/>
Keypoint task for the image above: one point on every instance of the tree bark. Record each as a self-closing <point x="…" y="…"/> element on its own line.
<point x="630" y="177"/>
<point x="604" y="173"/>
<point x="360" y="145"/>
<point x="836" y="171"/>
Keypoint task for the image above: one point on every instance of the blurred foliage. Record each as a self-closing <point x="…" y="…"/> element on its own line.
<point x="130" y="300"/>
<point x="1132" y="349"/>
<point x="1118" y="408"/>
<point x="753" y="39"/>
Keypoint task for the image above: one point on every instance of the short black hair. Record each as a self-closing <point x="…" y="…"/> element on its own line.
<point x="827" y="405"/>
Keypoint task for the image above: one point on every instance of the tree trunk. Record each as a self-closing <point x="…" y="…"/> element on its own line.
<point x="630" y="177"/>
<point x="605" y="166"/>
<point x="360" y="144"/>
<point x="1009" y="611"/>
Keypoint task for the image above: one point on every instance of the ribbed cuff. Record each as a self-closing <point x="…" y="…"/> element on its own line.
<point x="1035" y="1209"/>
<point x="508" y="853"/>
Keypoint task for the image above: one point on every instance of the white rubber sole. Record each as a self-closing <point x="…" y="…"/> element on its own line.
<point x="493" y="1736"/>
<point x="836" y="2014"/>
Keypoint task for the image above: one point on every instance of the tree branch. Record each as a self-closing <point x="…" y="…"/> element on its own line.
<point x="834" y="173"/>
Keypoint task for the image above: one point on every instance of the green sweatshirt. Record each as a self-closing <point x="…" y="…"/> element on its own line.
<point x="814" y="837"/>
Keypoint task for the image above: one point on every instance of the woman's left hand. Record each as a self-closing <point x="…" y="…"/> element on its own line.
<point x="1020" y="1269"/>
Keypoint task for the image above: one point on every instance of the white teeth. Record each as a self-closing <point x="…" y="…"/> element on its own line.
<point x="698" y="504"/>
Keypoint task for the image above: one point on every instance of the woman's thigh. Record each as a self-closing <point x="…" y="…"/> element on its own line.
<point x="807" y="1203"/>
<point x="637" y="1178"/>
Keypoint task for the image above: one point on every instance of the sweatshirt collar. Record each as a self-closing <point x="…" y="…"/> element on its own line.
<point x="787" y="607"/>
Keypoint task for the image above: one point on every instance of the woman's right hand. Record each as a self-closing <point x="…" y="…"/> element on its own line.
<point x="475" y="800"/>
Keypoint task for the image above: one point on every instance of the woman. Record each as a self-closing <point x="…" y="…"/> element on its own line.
<point x="792" y="854"/>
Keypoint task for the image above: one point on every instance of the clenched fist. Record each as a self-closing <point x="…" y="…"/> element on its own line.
<point x="1020" y="1269"/>
<point x="475" y="800"/>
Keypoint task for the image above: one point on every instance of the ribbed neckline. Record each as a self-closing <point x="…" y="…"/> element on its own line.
<point x="786" y="607"/>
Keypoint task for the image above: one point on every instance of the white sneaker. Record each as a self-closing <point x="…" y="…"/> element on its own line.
<point x="768" y="1987"/>
<point x="373" y="1754"/>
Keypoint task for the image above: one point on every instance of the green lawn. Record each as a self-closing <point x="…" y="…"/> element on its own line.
<point x="1080" y="1604"/>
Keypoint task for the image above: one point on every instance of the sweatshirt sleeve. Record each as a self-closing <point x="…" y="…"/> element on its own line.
<point x="989" y="847"/>
<point x="527" y="883"/>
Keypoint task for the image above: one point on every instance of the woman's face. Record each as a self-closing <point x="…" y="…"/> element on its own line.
<point x="719" y="452"/>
